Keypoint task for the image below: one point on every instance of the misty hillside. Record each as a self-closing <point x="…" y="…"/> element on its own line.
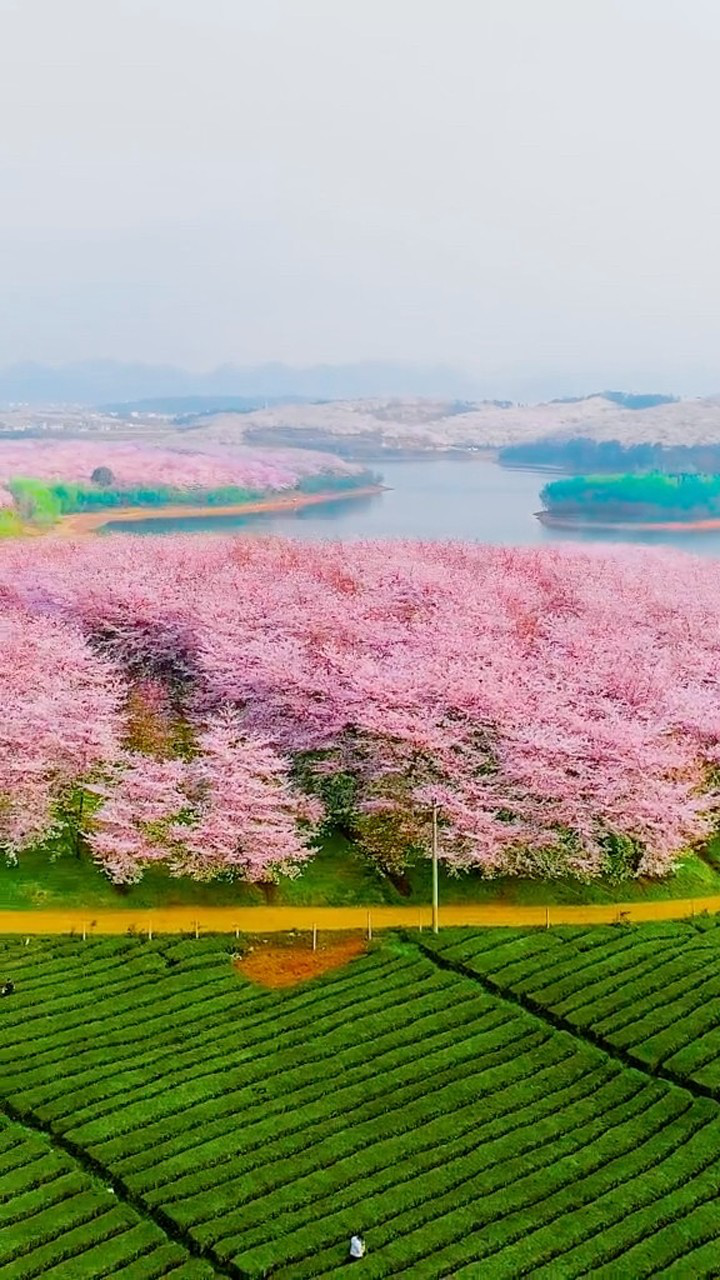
<point x="373" y="427"/>
<point x="419" y="424"/>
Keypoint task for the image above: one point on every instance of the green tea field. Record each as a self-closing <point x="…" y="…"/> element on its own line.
<point x="493" y="1103"/>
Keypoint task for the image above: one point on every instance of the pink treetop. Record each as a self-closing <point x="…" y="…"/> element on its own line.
<point x="60" y="721"/>
<point x="230" y="809"/>
<point x="247" y="813"/>
<point x="142" y="800"/>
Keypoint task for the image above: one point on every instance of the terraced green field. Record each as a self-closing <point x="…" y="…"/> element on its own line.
<point x="650" y="994"/>
<point x="488" y="1104"/>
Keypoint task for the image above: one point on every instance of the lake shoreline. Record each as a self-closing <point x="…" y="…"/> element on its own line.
<point x="83" y="524"/>
<point x="709" y="525"/>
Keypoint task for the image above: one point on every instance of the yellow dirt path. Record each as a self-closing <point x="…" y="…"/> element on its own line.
<point x="285" y="919"/>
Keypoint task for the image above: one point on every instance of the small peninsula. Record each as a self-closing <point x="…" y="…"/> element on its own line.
<point x="649" y="500"/>
<point x="74" y="488"/>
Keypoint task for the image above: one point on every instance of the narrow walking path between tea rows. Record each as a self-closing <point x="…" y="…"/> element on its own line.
<point x="288" y="919"/>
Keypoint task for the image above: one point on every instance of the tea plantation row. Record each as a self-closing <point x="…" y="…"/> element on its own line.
<point x="652" y="994"/>
<point x="57" y="1221"/>
<point x="250" y="1132"/>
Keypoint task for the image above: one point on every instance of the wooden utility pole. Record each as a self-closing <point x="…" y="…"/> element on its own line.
<point x="435" y="891"/>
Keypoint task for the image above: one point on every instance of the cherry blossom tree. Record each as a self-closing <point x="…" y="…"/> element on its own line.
<point x="248" y="819"/>
<point x="228" y="810"/>
<point x="60" y="722"/>
<point x="142" y="800"/>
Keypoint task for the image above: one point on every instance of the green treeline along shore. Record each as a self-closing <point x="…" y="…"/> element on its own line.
<point x="648" y="496"/>
<point x="42" y="503"/>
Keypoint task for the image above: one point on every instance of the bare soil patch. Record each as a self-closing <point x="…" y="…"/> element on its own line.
<point x="271" y="965"/>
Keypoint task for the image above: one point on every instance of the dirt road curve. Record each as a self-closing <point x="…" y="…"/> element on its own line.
<point x="285" y="919"/>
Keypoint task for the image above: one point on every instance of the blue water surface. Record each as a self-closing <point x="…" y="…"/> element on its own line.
<point x="469" y="498"/>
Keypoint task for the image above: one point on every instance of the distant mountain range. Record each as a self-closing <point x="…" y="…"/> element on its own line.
<point x="163" y="388"/>
<point x="110" y="382"/>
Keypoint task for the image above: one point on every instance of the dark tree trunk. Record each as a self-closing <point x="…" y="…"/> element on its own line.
<point x="400" y="882"/>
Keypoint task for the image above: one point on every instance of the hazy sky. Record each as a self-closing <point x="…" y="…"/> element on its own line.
<point x="511" y="186"/>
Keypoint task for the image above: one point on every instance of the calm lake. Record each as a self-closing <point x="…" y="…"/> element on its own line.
<point x="465" y="498"/>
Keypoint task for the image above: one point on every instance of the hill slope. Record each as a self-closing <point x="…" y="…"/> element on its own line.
<point x="375" y="426"/>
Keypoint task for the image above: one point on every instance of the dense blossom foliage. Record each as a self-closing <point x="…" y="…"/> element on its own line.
<point x="134" y="465"/>
<point x="60" y="720"/>
<point x="562" y="707"/>
<point x="228" y="808"/>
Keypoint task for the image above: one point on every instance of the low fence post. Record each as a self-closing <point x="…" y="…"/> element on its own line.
<point x="369" y="927"/>
<point x="547" y="917"/>
<point x="314" y="937"/>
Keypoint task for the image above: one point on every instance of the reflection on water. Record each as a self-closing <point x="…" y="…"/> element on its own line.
<point x="467" y="499"/>
<point x="322" y="513"/>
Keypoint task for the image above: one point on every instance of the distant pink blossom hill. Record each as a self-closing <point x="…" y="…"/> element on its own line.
<point x="133" y="465"/>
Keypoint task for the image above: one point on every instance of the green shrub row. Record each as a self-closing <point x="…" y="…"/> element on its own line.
<point x="543" y="1068"/>
<point x="647" y="987"/>
<point x="484" y="1152"/>
<point x="470" y="1226"/>
<point x="403" y="1114"/>
<point x="700" y="1059"/>
<point x="649" y="1220"/>
<point x="259" y="1142"/>
<point x="44" y="502"/>
<point x="136" y="1116"/>
<point x="651" y="992"/>
<point x="57" y="1221"/>
<point x="351" y="1104"/>
<point x="557" y="1247"/>
<point x="574" y="977"/>
<point x="420" y="1227"/>
<point x="62" y="1248"/>
<point x="287" y="1090"/>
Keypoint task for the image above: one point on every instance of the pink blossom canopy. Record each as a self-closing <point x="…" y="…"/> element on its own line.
<point x="545" y="698"/>
<point x="133" y="465"/>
